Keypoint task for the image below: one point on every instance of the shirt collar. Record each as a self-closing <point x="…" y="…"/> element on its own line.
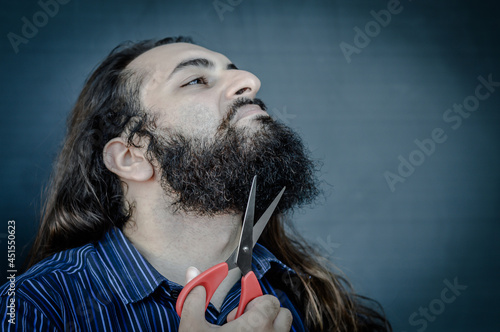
<point x="135" y="276"/>
<point x="138" y="278"/>
<point x="262" y="259"/>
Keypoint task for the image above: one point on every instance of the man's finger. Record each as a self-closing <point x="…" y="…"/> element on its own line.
<point x="195" y="302"/>
<point x="283" y="321"/>
<point x="196" y="295"/>
<point x="232" y="315"/>
<point x="269" y="305"/>
<point x="266" y="306"/>
<point x="193" y="310"/>
<point x="262" y="314"/>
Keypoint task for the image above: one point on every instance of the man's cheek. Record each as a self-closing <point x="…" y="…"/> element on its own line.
<point x="200" y="121"/>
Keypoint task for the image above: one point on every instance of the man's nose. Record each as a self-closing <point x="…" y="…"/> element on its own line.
<point x="241" y="84"/>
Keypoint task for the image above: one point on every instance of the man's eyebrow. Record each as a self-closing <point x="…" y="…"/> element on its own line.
<point x="198" y="62"/>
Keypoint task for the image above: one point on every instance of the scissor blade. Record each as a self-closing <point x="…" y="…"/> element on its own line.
<point x="258" y="228"/>
<point x="244" y="253"/>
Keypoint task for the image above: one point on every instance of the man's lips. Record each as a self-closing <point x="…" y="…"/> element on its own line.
<point x="248" y="110"/>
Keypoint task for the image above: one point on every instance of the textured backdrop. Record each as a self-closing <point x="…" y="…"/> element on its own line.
<point x="399" y="100"/>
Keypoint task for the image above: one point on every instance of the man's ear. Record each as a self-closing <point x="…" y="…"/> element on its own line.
<point x="127" y="161"/>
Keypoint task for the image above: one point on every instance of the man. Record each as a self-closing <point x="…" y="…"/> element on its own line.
<point x="150" y="188"/>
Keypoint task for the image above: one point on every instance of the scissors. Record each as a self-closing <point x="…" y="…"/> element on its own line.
<point x="240" y="258"/>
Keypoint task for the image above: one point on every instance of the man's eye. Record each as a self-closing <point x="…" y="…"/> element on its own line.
<point x="199" y="80"/>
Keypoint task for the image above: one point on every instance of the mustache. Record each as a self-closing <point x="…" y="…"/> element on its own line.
<point x="235" y="106"/>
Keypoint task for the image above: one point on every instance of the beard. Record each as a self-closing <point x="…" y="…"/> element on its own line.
<point x="210" y="177"/>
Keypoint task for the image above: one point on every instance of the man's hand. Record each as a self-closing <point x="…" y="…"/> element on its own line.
<point x="262" y="314"/>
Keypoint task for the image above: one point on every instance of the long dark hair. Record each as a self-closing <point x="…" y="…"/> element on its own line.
<point x="84" y="199"/>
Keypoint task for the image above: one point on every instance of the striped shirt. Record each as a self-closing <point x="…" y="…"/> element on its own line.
<point x="110" y="286"/>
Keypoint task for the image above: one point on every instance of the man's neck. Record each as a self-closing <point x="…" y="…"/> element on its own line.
<point x="172" y="242"/>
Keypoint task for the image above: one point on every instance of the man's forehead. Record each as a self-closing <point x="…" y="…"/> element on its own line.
<point x="165" y="58"/>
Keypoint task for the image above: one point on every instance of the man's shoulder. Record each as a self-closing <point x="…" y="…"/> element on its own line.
<point x="55" y="271"/>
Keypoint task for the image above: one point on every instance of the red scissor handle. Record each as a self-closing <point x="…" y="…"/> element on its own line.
<point x="250" y="289"/>
<point x="210" y="279"/>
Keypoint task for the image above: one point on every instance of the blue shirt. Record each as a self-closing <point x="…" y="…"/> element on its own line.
<point x="110" y="286"/>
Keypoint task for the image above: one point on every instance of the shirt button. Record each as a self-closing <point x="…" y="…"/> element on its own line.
<point x="174" y="293"/>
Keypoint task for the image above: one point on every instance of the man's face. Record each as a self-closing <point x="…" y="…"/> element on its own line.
<point x="213" y="136"/>
<point x="191" y="88"/>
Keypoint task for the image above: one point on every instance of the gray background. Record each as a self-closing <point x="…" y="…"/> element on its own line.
<point x="397" y="246"/>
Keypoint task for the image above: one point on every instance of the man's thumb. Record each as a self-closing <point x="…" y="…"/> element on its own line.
<point x="191" y="273"/>
<point x="194" y="304"/>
